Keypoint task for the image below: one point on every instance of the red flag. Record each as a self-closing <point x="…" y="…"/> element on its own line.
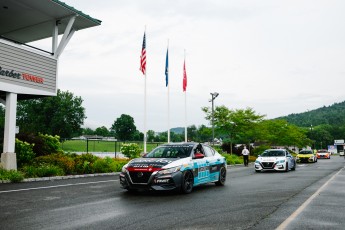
<point x="184" y="77"/>
<point x="143" y="56"/>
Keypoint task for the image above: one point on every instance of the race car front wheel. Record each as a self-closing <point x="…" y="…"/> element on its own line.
<point x="187" y="182"/>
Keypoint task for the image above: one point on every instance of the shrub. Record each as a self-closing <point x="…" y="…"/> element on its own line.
<point x="44" y="170"/>
<point x="43" y="144"/>
<point x="233" y="159"/>
<point x="258" y="150"/>
<point x="130" y="150"/>
<point x="84" y="163"/>
<point x="101" y="165"/>
<point x="11" y="175"/>
<point x="24" y="152"/>
<point x="119" y="163"/>
<point x="60" y="160"/>
<point x="51" y="143"/>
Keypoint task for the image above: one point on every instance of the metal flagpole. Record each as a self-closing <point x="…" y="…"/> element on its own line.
<point x="145" y="116"/>
<point x="167" y="76"/>
<point x="145" y="74"/>
<point x="185" y="116"/>
<point x="185" y="99"/>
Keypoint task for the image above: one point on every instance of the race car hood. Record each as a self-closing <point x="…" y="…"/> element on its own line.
<point x="305" y="155"/>
<point x="270" y="159"/>
<point x="149" y="164"/>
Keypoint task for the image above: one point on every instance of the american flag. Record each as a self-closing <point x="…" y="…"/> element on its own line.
<point x="143" y="56"/>
<point x="184" y="77"/>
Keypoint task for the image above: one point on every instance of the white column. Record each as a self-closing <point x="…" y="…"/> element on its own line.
<point x="8" y="157"/>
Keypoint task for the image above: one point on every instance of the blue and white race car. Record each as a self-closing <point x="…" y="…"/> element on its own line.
<point x="175" y="166"/>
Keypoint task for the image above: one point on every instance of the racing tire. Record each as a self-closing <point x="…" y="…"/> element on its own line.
<point x="187" y="182"/>
<point x="294" y="167"/>
<point x="222" y="177"/>
<point x="287" y="167"/>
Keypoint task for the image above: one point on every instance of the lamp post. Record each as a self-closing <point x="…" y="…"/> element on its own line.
<point x="311" y="136"/>
<point x="214" y="95"/>
<point x="232" y="124"/>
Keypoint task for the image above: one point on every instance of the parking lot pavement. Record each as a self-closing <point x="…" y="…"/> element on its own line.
<point x="324" y="209"/>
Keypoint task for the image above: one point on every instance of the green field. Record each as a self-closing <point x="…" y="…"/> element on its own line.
<point x="100" y="146"/>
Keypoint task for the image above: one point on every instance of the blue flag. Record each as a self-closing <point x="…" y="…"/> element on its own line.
<point x="167" y="69"/>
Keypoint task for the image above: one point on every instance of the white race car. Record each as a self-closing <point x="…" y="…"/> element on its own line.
<point x="175" y="166"/>
<point x="275" y="160"/>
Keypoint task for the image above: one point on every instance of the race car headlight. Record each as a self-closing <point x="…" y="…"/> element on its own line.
<point x="279" y="162"/>
<point x="312" y="157"/>
<point x="258" y="162"/>
<point x="170" y="170"/>
<point x="124" y="168"/>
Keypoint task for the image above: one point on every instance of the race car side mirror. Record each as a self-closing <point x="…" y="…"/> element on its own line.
<point x="198" y="156"/>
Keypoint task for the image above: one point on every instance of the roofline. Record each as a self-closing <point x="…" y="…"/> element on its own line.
<point x="77" y="11"/>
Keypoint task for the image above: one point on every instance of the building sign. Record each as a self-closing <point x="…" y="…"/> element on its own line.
<point x="26" y="71"/>
<point x="23" y="76"/>
<point x="338" y="142"/>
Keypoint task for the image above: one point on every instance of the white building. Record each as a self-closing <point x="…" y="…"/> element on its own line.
<point x="26" y="71"/>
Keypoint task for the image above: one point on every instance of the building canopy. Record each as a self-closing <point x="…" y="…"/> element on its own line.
<point x="25" y="21"/>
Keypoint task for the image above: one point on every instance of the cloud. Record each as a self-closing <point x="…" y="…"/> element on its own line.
<point x="277" y="57"/>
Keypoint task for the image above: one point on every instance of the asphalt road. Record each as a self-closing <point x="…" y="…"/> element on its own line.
<point x="312" y="197"/>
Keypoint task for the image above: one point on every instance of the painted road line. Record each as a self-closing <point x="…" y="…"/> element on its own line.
<point x="57" y="186"/>
<point x="293" y="216"/>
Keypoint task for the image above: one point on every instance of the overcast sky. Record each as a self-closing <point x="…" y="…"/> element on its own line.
<point x="277" y="57"/>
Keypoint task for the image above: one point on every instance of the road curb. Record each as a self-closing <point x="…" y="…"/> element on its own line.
<point x="61" y="177"/>
<point x="79" y="176"/>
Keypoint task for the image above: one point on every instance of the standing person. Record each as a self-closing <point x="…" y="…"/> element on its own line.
<point x="245" y="153"/>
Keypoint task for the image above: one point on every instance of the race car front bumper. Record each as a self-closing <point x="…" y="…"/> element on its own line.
<point x="150" y="181"/>
<point x="270" y="166"/>
<point x="305" y="160"/>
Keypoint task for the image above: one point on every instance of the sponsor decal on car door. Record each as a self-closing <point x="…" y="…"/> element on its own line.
<point x="201" y="171"/>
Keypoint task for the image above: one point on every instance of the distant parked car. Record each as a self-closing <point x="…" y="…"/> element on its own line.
<point x="275" y="160"/>
<point x="306" y="156"/>
<point x="341" y="153"/>
<point x="323" y="153"/>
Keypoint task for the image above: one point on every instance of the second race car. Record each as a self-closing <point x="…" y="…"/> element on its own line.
<point x="275" y="160"/>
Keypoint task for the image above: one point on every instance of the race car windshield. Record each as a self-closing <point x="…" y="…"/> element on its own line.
<point x="305" y="152"/>
<point x="273" y="154"/>
<point x="171" y="151"/>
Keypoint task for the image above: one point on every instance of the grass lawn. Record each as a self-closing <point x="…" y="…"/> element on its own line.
<point x="100" y="146"/>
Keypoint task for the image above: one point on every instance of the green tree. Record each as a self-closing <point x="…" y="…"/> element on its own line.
<point x="124" y="127"/>
<point x="192" y="133"/>
<point x="88" y="131"/>
<point x="204" y="133"/>
<point x="138" y="136"/>
<point x="102" y="131"/>
<point x="162" y="137"/>
<point x="321" y="136"/>
<point x="150" y="135"/>
<point x="238" y="125"/>
<point x="61" y="115"/>
<point x="281" y="133"/>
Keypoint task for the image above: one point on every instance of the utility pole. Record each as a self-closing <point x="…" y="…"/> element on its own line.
<point x="214" y="95"/>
